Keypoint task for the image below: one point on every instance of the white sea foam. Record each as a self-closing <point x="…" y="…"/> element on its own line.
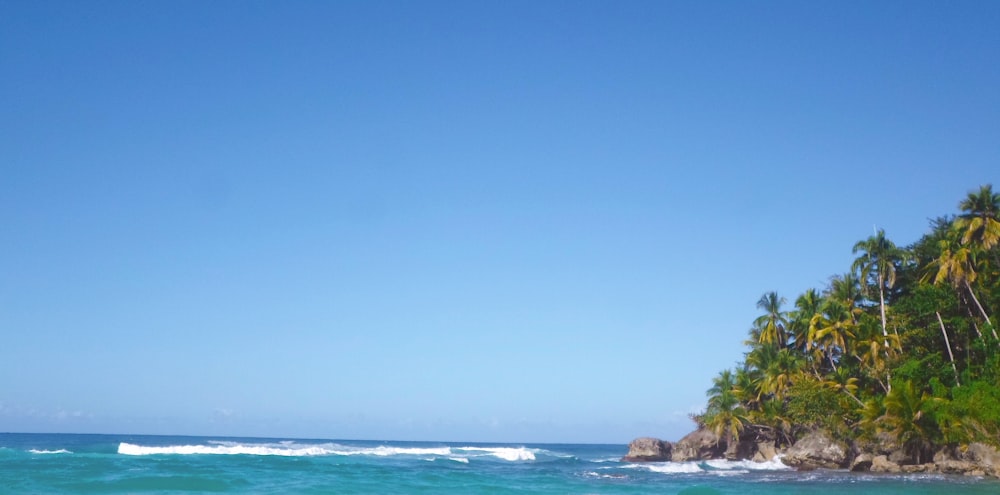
<point x="233" y="449"/>
<point x="384" y="451"/>
<point x="772" y="465"/>
<point x="60" y="451"/>
<point x="594" y="474"/>
<point x="292" y="449"/>
<point x="505" y="453"/>
<point x="669" y="467"/>
<point x="716" y="467"/>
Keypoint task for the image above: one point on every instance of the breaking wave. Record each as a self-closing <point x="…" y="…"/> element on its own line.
<point x="291" y="449"/>
<point x="720" y="467"/>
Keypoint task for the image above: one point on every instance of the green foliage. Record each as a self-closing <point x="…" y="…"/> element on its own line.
<point x="909" y="417"/>
<point x="979" y="404"/>
<point x="925" y="368"/>
<point x="869" y="354"/>
<point x="813" y="404"/>
<point x="725" y="415"/>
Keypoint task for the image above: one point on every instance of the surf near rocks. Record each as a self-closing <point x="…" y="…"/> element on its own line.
<point x="818" y="449"/>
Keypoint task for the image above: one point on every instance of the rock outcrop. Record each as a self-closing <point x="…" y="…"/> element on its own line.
<point x="698" y="445"/>
<point x="975" y="459"/>
<point x="765" y="451"/>
<point x="882" y="464"/>
<point x="862" y="462"/>
<point x="817" y="450"/>
<point x="984" y="456"/>
<point x="647" y="449"/>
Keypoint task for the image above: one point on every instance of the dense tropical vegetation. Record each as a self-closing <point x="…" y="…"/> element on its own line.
<point x="903" y="346"/>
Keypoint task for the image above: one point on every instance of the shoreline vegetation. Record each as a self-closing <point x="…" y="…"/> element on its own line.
<point x="893" y="366"/>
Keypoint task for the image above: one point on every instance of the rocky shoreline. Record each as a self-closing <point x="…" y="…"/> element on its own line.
<point x="818" y="449"/>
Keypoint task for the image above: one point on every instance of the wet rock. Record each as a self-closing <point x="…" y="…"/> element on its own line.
<point x="698" y="445"/>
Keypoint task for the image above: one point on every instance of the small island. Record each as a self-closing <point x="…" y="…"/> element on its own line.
<point x="894" y="366"/>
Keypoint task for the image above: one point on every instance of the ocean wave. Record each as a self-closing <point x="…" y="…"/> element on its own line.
<point x="292" y="449"/>
<point x="716" y="466"/>
<point x="669" y="467"/>
<point x="594" y="474"/>
<point x="505" y="453"/>
<point x="237" y="449"/>
<point x="60" y="451"/>
<point x="772" y="465"/>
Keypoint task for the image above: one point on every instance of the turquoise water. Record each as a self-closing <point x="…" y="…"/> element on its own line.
<point x="35" y="463"/>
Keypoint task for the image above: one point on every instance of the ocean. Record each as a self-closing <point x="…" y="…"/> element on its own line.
<point x="134" y="464"/>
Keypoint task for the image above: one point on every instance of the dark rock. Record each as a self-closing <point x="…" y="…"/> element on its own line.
<point x="648" y="449"/>
<point x="816" y="450"/>
<point x="698" y="445"/>
<point x="862" y="462"/>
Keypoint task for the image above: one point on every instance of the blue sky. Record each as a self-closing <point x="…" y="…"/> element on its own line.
<point x="479" y="221"/>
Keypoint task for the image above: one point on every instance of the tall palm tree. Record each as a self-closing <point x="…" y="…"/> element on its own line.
<point x="747" y="387"/>
<point x="956" y="265"/>
<point x="980" y="224"/>
<point x="725" y="415"/>
<point x="846" y="288"/>
<point x="874" y="358"/>
<point x="773" y="322"/>
<point x="878" y="262"/>
<point x="782" y="372"/>
<point x="806" y="306"/>
<point x="831" y="329"/>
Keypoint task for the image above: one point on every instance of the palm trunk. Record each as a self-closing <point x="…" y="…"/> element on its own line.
<point x="981" y="310"/>
<point x="885" y="334"/>
<point x="881" y="304"/>
<point x="849" y="394"/>
<point x="948" y="345"/>
<point x="968" y="311"/>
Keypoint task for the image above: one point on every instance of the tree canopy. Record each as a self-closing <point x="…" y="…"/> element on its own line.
<point x="903" y="344"/>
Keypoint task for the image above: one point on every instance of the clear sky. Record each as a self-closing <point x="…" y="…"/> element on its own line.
<point x="531" y="221"/>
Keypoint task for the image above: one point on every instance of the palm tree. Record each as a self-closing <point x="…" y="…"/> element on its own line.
<point x="956" y="264"/>
<point x="980" y="224"/>
<point x="907" y="419"/>
<point x="773" y="322"/>
<point x="846" y="288"/>
<point x="724" y="414"/>
<point x="781" y="373"/>
<point x="874" y="358"/>
<point x="747" y="387"/>
<point x="878" y="264"/>
<point x="831" y="329"/>
<point x="806" y="306"/>
<point x="842" y="380"/>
